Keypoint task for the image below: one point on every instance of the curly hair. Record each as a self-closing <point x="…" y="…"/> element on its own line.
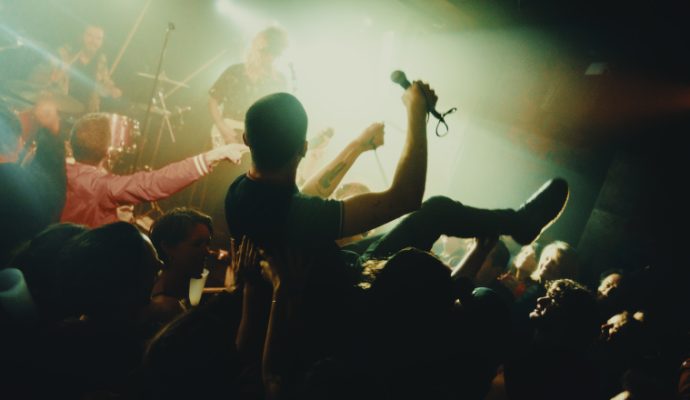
<point x="91" y="138"/>
<point x="577" y="308"/>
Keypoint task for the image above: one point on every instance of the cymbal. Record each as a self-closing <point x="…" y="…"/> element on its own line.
<point x="163" y="78"/>
<point x="31" y="92"/>
<point x="13" y="102"/>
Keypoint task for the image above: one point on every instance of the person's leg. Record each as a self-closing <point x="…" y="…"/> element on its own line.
<point x="362" y="245"/>
<point x="441" y="215"/>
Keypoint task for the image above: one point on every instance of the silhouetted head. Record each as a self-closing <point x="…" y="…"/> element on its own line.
<point x="276" y="131"/>
<point x="37" y="261"/>
<point x="413" y="278"/>
<point x="107" y="272"/>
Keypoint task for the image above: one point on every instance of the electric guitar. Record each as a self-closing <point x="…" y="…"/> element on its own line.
<point x="217" y="138"/>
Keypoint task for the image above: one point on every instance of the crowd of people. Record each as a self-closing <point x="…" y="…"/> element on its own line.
<point x="308" y="300"/>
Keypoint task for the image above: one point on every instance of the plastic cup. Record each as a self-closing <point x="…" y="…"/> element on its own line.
<point x="196" y="287"/>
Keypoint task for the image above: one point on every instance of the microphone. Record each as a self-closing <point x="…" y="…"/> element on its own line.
<point x="399" y="77"/>
<point x="181" y="110"/>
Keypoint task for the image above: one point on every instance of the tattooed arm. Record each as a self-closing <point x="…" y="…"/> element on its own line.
<point x="325" y="181"/>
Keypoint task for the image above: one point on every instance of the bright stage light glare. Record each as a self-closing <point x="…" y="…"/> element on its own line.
<point x="224" y="7"/>
<point x="243" y="18"/>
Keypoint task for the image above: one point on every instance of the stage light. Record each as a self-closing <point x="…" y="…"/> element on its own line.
<point x="224" y="7"/>
<point x="249" y="22"/>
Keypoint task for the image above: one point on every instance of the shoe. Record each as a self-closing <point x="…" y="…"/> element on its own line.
<point x="541" y="210"/>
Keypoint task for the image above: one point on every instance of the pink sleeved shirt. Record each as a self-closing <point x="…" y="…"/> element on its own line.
<point x="94" y="194"/>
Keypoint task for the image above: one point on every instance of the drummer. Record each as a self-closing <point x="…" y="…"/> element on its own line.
<point x="84" y="74"/>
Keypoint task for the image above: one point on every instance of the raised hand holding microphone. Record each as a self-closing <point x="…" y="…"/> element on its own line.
<point x="400" y="78"/>
<point x="429" y="95"/>
<point x="419" y="97"/>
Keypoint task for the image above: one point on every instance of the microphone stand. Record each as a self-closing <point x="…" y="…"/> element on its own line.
<point x="147" y="118"/>
<point x="165" y="123"/>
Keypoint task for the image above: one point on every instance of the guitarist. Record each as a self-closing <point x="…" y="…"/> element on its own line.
<point x="242" y="84"/>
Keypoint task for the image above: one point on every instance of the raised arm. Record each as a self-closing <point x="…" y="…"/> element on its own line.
<point x="48" y="172"/>
<point x="255" y="301"/>
<point x="324" y="182"/>
<point x="369" y="210"/>
<point x="288" y="273"/>
<point x="473" y="260"/>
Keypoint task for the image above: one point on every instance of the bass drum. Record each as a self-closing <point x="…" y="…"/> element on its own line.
<point x="124" y="133"/>
<point x="124" y="136"/>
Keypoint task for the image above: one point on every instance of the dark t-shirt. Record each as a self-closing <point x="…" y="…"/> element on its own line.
<point x="269" y="213"/>
<point x="83" y="80"/>
<point x="276" y="215"/>
<point x="237" y="92"/>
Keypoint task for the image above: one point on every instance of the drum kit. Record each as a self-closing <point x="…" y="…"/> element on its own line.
<point x="126" y="132"/>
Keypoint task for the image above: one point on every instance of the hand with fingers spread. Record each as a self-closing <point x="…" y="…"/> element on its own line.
<point x="244" y="264"/>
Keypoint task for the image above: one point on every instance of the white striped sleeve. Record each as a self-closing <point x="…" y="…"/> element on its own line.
<point x="200" y="165"/>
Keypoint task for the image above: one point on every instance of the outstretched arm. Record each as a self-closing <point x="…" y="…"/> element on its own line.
<point x="325" y="181"/>
<point x="164" y="182"/>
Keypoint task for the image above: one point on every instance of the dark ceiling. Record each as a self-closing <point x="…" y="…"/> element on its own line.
<point x="650" y="36"/>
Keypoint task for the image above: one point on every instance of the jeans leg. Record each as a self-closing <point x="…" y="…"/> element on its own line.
<point x="362" y="245"/>
<point x="438" y="216"/>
